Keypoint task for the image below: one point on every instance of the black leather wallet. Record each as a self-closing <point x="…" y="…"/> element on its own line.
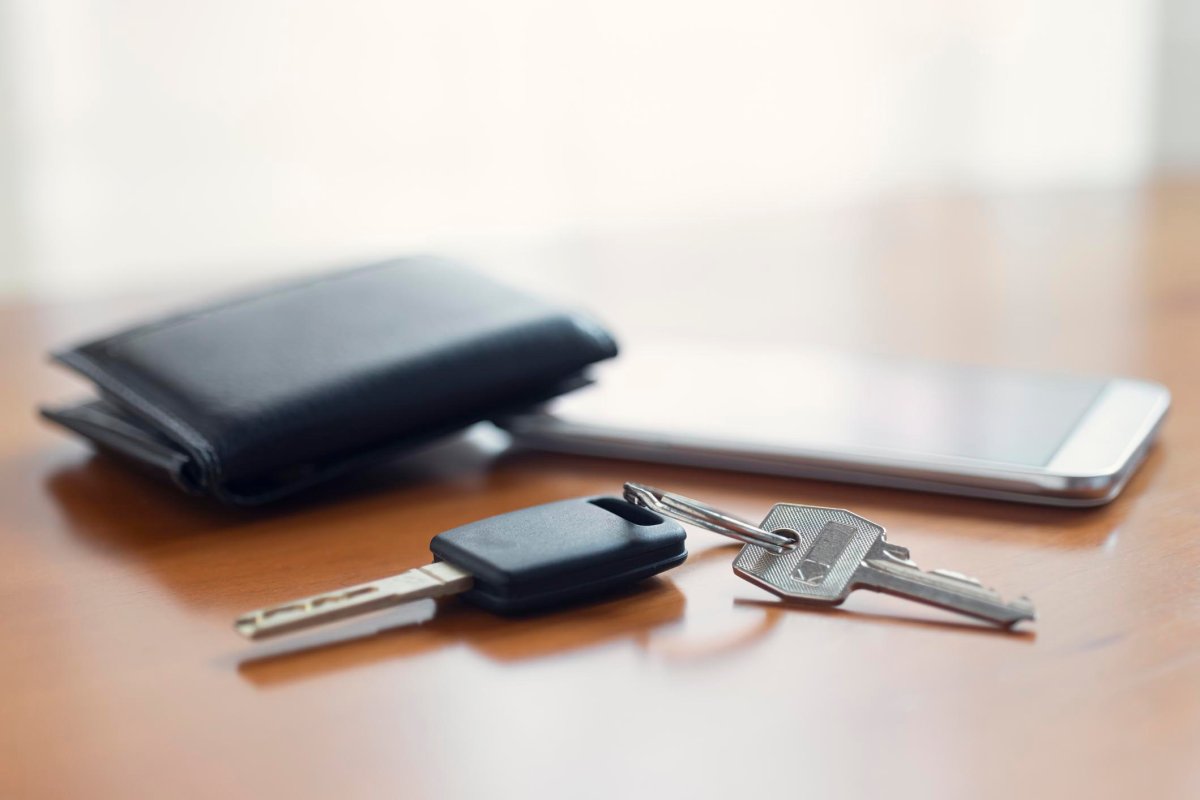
<point x="258" y="397"/>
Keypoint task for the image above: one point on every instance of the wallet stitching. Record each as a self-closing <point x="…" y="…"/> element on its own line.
<point x="111" y="382"/>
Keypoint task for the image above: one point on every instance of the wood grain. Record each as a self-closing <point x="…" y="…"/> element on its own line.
<point x="122" y="677"/>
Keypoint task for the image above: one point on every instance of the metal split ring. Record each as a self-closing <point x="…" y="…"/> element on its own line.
<point x="704" y="516"/>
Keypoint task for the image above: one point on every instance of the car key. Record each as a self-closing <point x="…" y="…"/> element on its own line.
<point x="820" y="555"/>
<point x="527" y="560"/>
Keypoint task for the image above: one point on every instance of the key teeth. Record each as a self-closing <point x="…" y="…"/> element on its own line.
<point x="1022" y="605"/>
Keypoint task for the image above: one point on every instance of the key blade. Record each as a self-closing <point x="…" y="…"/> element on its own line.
<point x="434" y="580"/>
<point x="943" y="589"/>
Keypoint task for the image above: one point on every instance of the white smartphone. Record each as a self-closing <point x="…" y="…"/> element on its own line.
<point x="998" y="433"/>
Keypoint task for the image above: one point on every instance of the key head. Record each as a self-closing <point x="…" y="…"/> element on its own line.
<point x="557" y="553"/>
<point x="821" y="567"/>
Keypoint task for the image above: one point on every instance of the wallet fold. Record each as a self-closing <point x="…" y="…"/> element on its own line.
<point x="257" y="397"/>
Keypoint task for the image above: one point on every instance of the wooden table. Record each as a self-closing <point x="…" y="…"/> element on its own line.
<point x="122" y="677"/>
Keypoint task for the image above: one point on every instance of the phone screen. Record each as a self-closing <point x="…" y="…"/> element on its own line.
<point x="819" y="400"/>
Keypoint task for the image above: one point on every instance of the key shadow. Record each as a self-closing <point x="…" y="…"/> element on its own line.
<point x="958" y="625"/>
<point x="632" y="613"/>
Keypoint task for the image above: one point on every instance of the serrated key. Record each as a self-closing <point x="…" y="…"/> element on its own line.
<point x="838" y="551"/>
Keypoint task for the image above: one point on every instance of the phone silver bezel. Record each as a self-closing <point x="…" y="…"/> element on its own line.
<point x="1090" y="467"/>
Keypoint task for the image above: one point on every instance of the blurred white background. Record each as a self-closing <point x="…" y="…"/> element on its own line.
<point x="147" y="143"/>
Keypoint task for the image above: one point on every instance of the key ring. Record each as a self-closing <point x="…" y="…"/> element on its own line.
<point x="704" y="516"/>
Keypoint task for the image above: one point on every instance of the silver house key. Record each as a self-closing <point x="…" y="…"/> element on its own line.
<point x="820" y="555"/>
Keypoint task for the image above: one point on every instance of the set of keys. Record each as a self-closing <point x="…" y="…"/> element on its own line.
<point x="558" y="553"/>
<point x="820" y="555"/>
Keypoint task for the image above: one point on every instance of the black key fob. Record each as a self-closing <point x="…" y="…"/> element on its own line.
<point x="553" y="554"/>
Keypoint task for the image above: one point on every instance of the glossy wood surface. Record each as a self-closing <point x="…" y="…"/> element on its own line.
<point x="121" y="675"/>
